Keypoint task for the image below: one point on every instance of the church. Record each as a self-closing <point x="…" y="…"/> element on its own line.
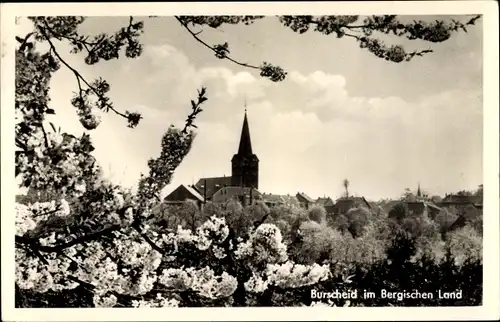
<point x="243" y="184"/>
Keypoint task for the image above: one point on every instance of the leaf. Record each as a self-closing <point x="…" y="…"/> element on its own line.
<point x="50" y="111"/>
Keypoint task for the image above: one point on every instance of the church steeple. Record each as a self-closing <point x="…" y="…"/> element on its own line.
<point x="245" y="164"/>
<point x="419" y="193"/>
<point x="245" y="147"/>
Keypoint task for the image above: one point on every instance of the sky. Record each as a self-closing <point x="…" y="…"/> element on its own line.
<point x="341" y="112"/>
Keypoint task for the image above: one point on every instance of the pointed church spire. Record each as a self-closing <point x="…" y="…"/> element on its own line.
<point x="419" y="193"/>
<point x="245" y="147"/>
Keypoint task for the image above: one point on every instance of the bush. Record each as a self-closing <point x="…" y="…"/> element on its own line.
<point x="317" y="214"/>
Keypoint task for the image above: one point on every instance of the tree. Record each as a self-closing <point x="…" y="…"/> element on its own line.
<point x="345" y="183"/>
<point x="358" y="218"/>
<point x="100" y="237"/>
<point x="317" y="214"/>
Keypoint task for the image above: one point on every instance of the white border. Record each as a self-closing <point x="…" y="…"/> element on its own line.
<point x="491" y="298"/>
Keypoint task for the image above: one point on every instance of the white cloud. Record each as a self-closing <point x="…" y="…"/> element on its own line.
<point x="308" y="131"/>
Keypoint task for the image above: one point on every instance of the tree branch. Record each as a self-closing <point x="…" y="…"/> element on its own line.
<point x="58" y="247"/>
<point x="78" y="76"/>
<point x="195" y="36"/>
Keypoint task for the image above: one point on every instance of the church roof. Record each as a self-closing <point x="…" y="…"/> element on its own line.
<point x="238" y="191"/>
<point x="245" y="147"/>
<point x="213" y="185"/>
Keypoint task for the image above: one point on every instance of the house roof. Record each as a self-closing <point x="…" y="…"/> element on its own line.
<point x="193" y="194"/>
<point x="471" y="214"/>
<point x="290" y="199"/>
<point x="213" y="184"/>
<point x="462" y="199"/>
<point x="325" y="202"/>
<point x="280" y="199"/>
<point x="230" y="191"/>
<point x="432" y="205"/>
<point x="351" y="201"/>
<point x="305" y="197"/>
<point x="273" y="198"/>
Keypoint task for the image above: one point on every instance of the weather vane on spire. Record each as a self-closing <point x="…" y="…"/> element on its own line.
<point x="245" y="104"/>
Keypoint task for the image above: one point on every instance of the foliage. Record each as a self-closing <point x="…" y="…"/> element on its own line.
<point x="357" y="219"/>
<point x="317" y="214"/>
<point x="95" y="243"/>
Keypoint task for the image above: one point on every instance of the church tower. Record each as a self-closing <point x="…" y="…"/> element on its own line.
<point x="245" y="164"/>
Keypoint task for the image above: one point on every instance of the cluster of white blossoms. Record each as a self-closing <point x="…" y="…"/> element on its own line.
<point x="203" y="281"/>
<point x="159" y="301"/>
<point x="219" y="252"/>
<point x="212" y="232"/>
<point x="256" y="284"/>
<point x="137" y="254"/>
<point x="105" y="300"/>
<point x="111" y="269"/>
<point x="287" y="275"/>
<point x="32" y="273"/>
<point x="214" y="229"/>
<point x="29" y="216"/>
<point x="60" y="167"/>
<point x="265" y="245"/>
<point x="291" y="275"/>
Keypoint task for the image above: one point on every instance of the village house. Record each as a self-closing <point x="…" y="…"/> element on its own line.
<point x="344" y="204"/>
<point x="304" y="200"/>
<point x="246" y="196"/>
<point x="183" y="193"/>
<point x="272" y="200"/>
<point x="327" y="203"/>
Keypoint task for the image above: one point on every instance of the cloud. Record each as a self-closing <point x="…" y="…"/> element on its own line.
<point x="309" y="131"/>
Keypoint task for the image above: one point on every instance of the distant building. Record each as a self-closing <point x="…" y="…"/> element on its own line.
<point x="183" y="193"/>
<point x="462" y="200"/>
<point x="304" y="200"/>
<point x="423" y="208"/>
<point x="468" y="214"/>
<point x="344" y="204"/>
<point x="246" y="196"/>
<point x="243" y="184"/>
<point x="272" y="200"/>
<point x="208" y="186"/>
<point x="326" y="203"/>
<point x="416" y="209"/>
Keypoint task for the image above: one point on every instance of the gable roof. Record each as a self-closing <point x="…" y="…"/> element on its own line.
<point x="194" y="192"/>
<point x="301" y="195"/>
<point x="280" y="199"/>
<point x="213" y="185"/>
<point x="352" y="202"/>
<point x="270" y="198"/>
<point x="325" y="202"/>
<point x="182" y="193"/>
